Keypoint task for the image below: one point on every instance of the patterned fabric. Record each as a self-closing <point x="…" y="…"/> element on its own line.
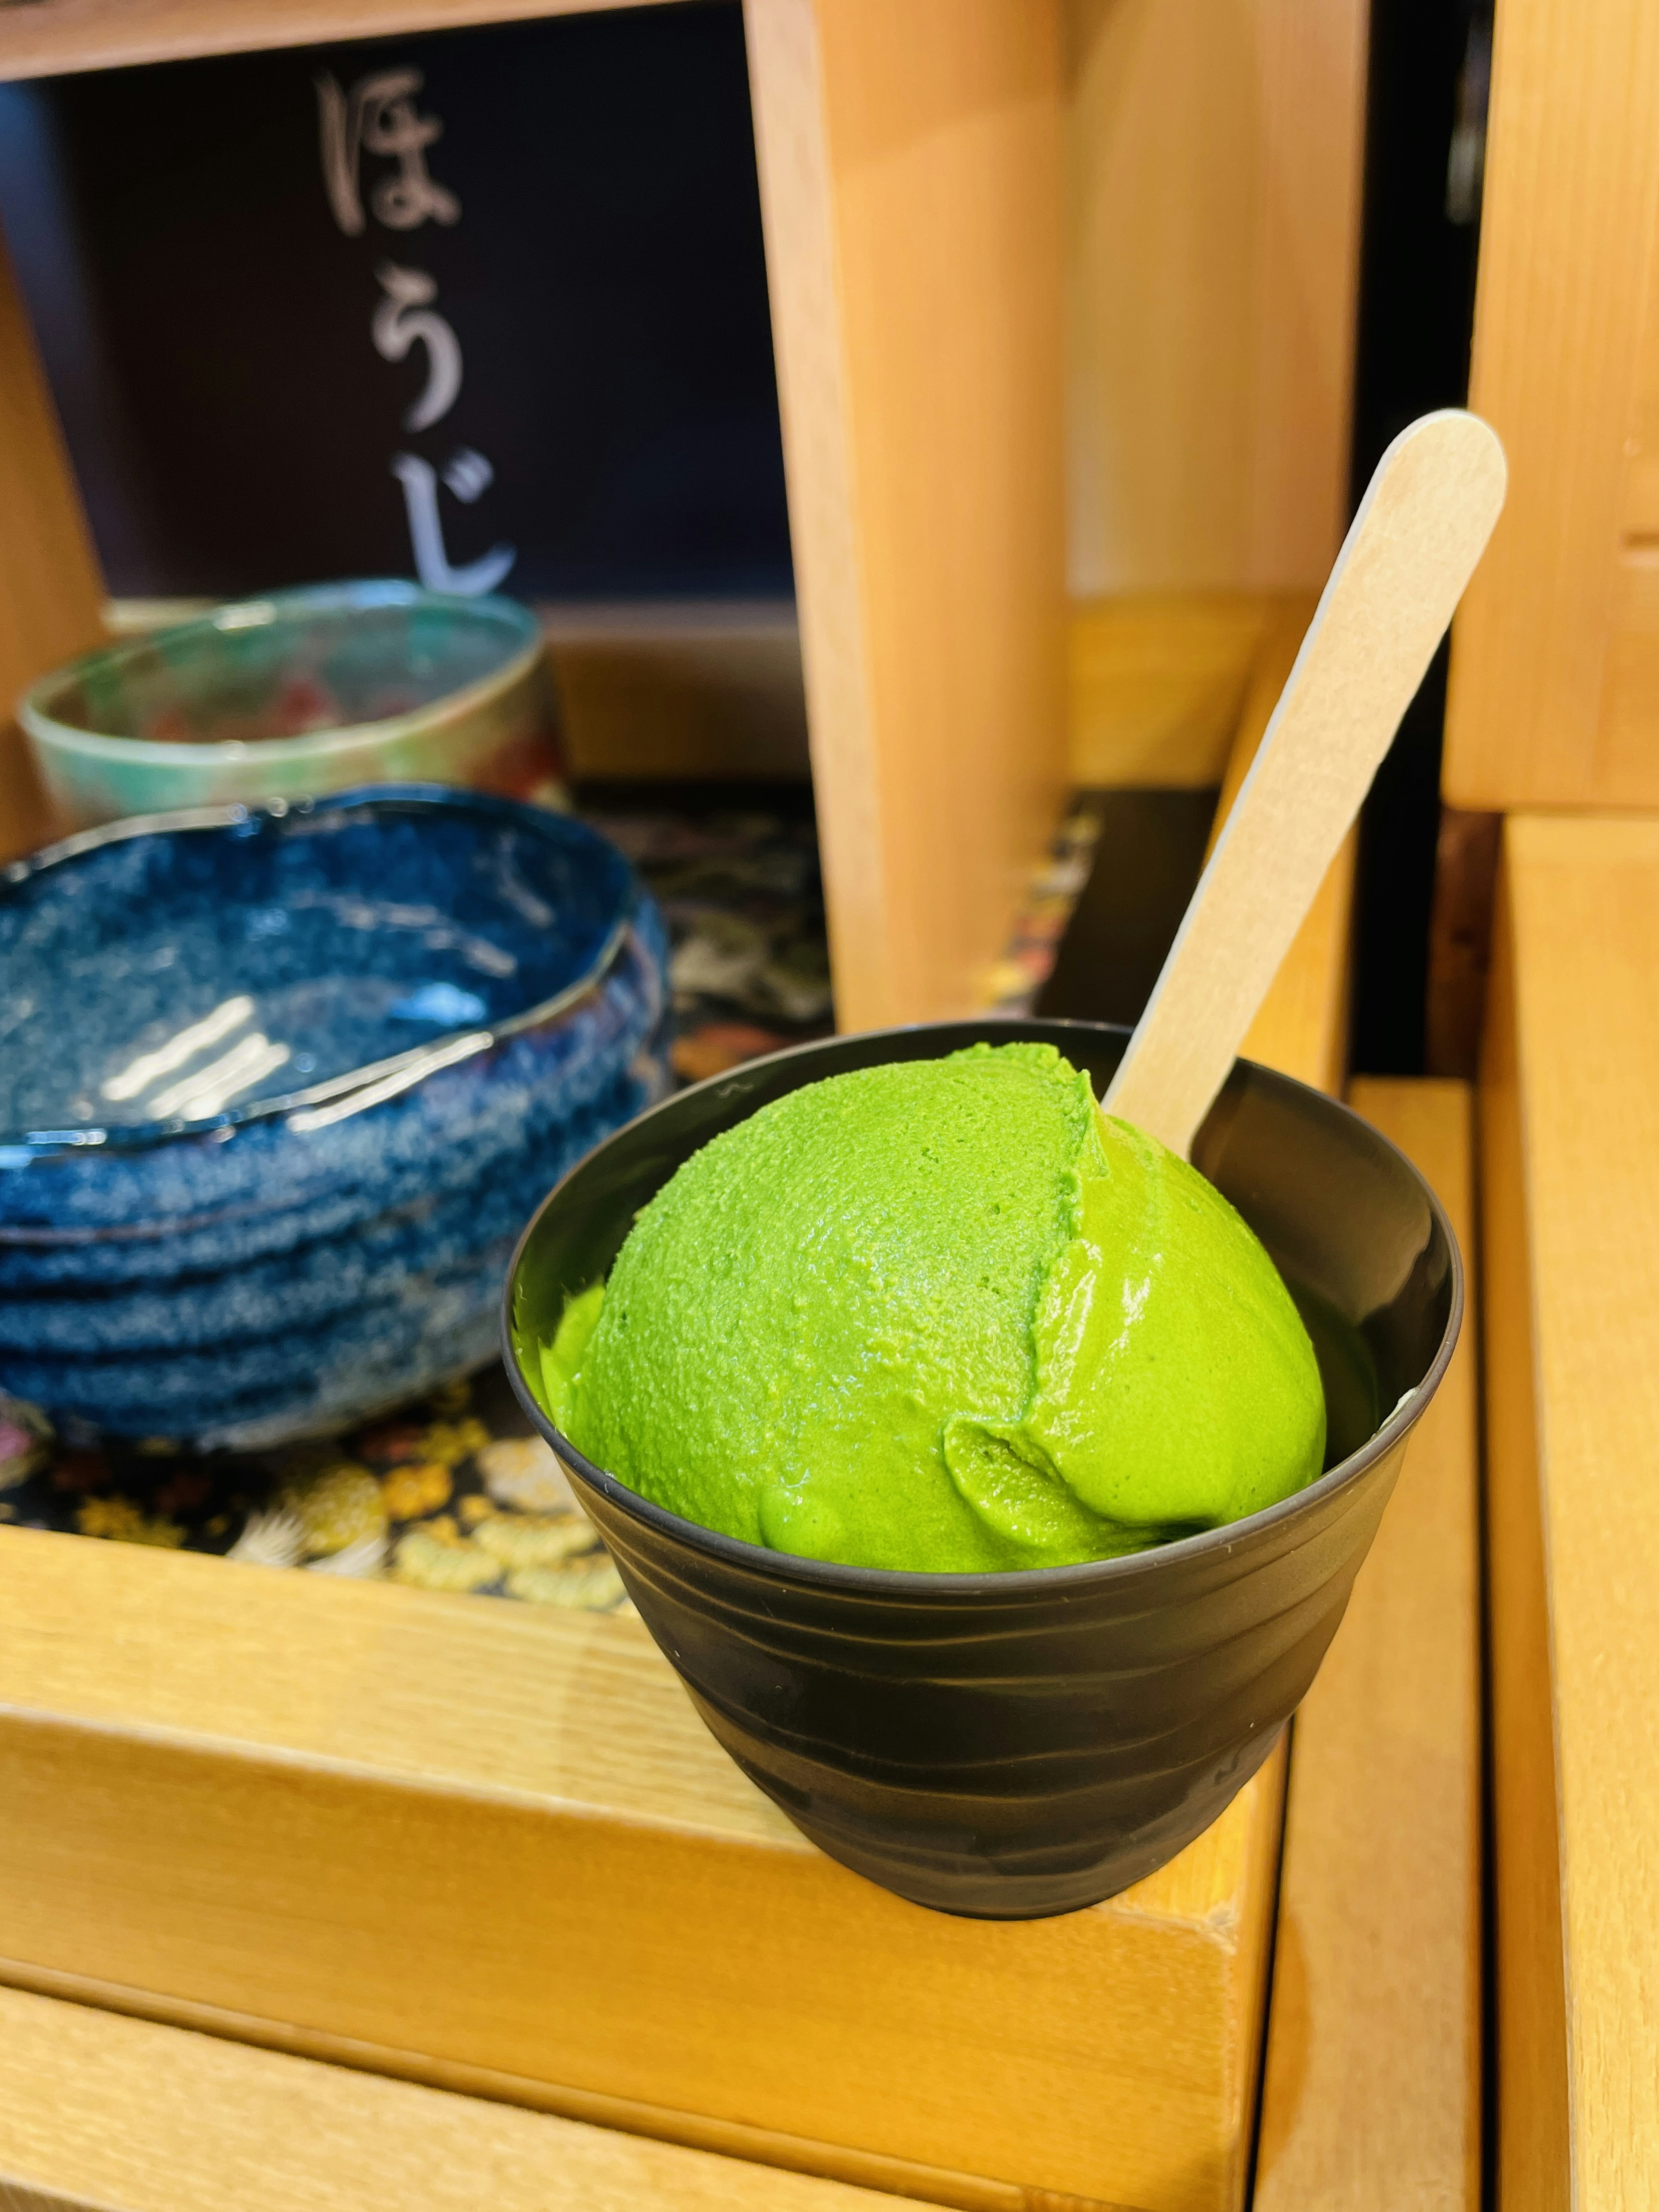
<point x="456" y="1493"/>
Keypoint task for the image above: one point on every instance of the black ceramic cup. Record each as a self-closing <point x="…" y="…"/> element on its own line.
<point x="1015" y="1745"/>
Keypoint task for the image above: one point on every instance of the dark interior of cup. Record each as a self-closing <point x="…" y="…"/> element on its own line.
<point x="1016" y="1745"/>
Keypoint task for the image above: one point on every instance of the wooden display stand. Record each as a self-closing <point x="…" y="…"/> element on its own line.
<point x="1554" y="705"/>
<point x="496" y="1854"/>
<point x="384" y="1833"/>
<point x="495" y="1849"/>
<point x="910" y="177"/>
<point x="271" y="1849"/>
<point x="1572" y="1046"/>
<point x="459" y="1832"/>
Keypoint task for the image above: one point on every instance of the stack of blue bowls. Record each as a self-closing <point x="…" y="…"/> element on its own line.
<point x="280" y="1086"/>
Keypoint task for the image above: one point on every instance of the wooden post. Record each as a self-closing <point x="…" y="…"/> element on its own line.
<point x="910" y="184"/>
<point x="51" y="592"/>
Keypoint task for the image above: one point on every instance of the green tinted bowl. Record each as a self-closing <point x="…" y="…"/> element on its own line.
<point x="297" y="693"/>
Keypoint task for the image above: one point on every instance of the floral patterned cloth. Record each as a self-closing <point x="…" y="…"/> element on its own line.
<point x="456" y="1493"/>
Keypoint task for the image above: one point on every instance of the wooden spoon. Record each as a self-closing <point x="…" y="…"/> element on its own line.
<point x="1421" y="528"/>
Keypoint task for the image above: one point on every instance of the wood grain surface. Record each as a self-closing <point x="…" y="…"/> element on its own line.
<point x="707" y="690"/>
<point x="910" y="188"/>
<point x="49" y="38"/>
<point x="1371" y="2098"/>
<point x="1158" y="681"/>
<point x="1531" y="2024"/>
<point x="1573" y="1206"/>
<point x="1212" y="208"/>
<point x="1543" y="691"/>
<point x="396" y="1697"/>
<point x="1301" y="1027"/>
<point x="100" y="2113"/>
<point x="497" y="1851"/>
<point x="51" y="593"/>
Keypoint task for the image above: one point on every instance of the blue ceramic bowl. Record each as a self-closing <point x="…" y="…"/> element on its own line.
<point x="280" y="1086"/>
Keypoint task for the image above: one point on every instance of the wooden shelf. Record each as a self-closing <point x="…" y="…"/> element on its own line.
<point x="496" y="1851"/>
<point x="247" y="1847"/>
<point x="1372" y="2092"/>
<point x="1555" y="670"/>
<point x="1569" y="1220"/>
<point x="53" y="38"/>
<point x="1302" y="1025"/>
<point x="918" y="349"/>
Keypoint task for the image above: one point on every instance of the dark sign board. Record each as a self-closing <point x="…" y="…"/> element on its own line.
<point x="489" y="305"/>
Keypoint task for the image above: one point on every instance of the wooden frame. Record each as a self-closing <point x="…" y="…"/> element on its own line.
<point x="1214" y="168"/>
<point x="217" y="1849"/>
<point x="910" y="192"/>
<point x="101" y="2114"/>
<point x="1553" y="703"/>
<point x="1572" y="1271"/>
<point x="910" y="185"/>
<point x="1373" y="2073"/>
<point x="1372" y="2092"/>
<point x="494" y="1849"/>
<point x="1555" y="663"/>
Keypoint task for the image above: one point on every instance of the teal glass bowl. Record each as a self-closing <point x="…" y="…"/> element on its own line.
<point x="297" y="693"/>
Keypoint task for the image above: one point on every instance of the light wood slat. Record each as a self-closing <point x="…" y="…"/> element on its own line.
<point x="100" y="2113"/>
<point x="1371" y="2098"/>
<point x="1213" y="216"/>
<point x="1572" y="182"/>
<point x="1630" y="703"/>
<point x="1302" y="1025"/>
<point x="50" y="38"/>
<point x="1573" y="1206"/>
<point x="497" y="1849"/>
<point x="910" y="176"/>
<point x="1531" y="2045"/>
<point x="1641" y="509"/>
<point x="1158" y="681"/>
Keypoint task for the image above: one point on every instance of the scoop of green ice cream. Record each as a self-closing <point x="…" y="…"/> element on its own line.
<point x="942" y="1315"/>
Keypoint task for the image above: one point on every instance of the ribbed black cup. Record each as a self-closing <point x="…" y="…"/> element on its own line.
<point x="1014" y="1745"/>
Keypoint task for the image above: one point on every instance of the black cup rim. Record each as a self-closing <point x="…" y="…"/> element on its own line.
<point x="912" y="1584"/>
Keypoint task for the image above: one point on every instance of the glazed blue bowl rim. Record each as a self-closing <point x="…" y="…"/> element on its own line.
<point x="384" y="1079"/>
<point x="909" y="1583"/>
<point x="36" y="705"/>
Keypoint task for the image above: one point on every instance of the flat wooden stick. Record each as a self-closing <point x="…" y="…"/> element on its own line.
<point x="1421" y="528"/>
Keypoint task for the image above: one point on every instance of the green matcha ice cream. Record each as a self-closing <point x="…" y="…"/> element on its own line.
<point x="942" y="1315"/>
